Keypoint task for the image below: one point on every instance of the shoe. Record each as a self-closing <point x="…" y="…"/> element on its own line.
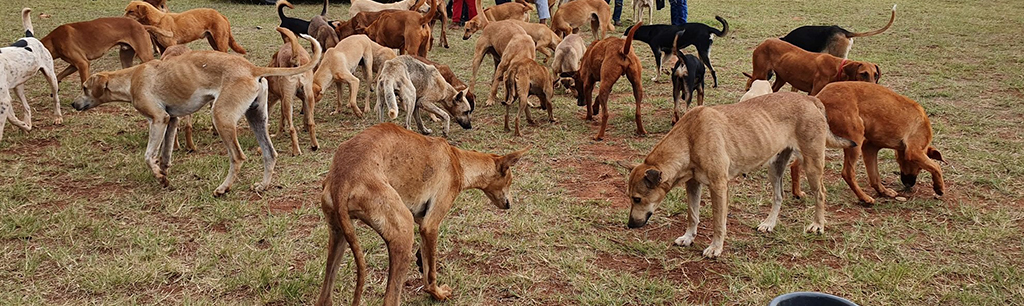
<point x="617" y="23"/>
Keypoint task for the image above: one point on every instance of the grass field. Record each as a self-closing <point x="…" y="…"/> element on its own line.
<point x="82" y="221"/>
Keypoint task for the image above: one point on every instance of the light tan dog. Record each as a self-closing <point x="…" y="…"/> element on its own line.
<point x="495" y="38"/>
<point x="79" y="43"/>
<point x="339" y="63"/>
<point x="525" y="78"/>
<point x="520" y="48"/>
<point x="365" y="182"/>
<point x="568" y="55"/>
<point x="638" y="10"/>
<point x="374" y="6"/>
<point x="758" y="88"/>
<point x="164" y="90"/>
<point x="504" y="11"/>
<point x="711" y="145"/>
<point x="878" y="118"/>
<point x="806" y="71"/>
<point x="543" y="37"/>
<point x="285" y="88"/>
<point x="169" y="29"/>
<point x="572" y="15"/>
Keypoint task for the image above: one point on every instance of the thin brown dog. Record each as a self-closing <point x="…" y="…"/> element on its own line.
<point x="605" y="61"/>
<point x="407" y="31"/>
<point x="80" y="42"/>
<point x="525" y="78"/>
<point x="806" y="71"/>
<point x="394" y="179"/>
<point x="878" y="118"/>
<point x="170" y="29"/>
<point x="504" y="11"/>
<point x="286" y="88"/>
<point x="570" y="16"/>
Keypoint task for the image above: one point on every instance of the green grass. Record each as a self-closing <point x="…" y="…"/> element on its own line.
<point x="82" y="221"/>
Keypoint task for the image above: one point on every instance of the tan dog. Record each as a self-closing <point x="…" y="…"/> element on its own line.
<point x="365" y="182"/>
<point x="407" y="31"/>
<point x="520" y="48"/>
<point x="524" y="78"/>
<point x="79" y="43"/>
<point x="285" y="88"/>
<point x="504" y="11"/>
<point x="543" y="37"/>
<point x="495" y="38"/>
<point x="757" y="88"/>
<point x="359" y="6"/>
<point x="711" y="145"/>
<point x="568" y="55"/>
<point x="806" y="71"/>
<point x="605" y="61"/>
<point x="163" y="91"/>
<point x="877" y="118"/>
<point x="638" y="10"/>
<point x="338" y="65"/>
<point x="170" y="29"/>
<point x="572" y="15"/>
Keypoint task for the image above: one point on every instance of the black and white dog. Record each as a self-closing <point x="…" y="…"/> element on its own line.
<point x="687" y="77"/>
<point x="661" y="38"/>
<point x="18" y="63"/>
<point x="832" y="39"/>
<point x="298" y="26"/>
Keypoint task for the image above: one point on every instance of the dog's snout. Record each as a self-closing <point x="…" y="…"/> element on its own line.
<point x="909" y="180"/>
<point x="508" y="204"/>
<point x="634" y="223"/>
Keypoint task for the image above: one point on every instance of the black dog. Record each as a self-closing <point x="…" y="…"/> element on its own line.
<point x="832" y="39"/>
<point x="687" y="77"/>
<point x="298" y="26"/>
<point x="662" y="36"/>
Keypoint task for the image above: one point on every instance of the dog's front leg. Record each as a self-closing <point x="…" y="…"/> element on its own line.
<point x="432" y="108"/>
<point x="693" y="214"/>
<point x="720" y="209"/>
<point x="157" y="130"/>
<point x="20" y="91"/>
<point x="168" y="145"/>
<point x="428" y="251"/>
<point x="415" y="113"/>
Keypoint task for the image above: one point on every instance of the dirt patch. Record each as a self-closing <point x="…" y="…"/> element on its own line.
<point x="706" y="274"/>
<point x="596" y="177"/>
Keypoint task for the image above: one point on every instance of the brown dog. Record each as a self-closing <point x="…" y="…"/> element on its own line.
<point x="321" y="29"/>
<point x="877" y="118"/>
<point x="170" y="29"/>
<point x="524" y="78"/>
<point x="711" y="145"/>
<point x="504" y="11"/>
<point x="407" y="31"/>
<point x="368" y="183"/>
<point x="80" y="42"/>
<point x="357" y="24"/>
<point x="806" y="71"/>
<point x="572" y="15"/>
<point x="159" y="4"/>
<point x="605" y="61"/>
<point x="285" y="88"/>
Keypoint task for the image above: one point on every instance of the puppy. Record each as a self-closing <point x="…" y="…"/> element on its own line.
<point x="420" y="87"/>
<point x="366" y="182"/>
<point x="832" y="39"/>
<point x="297" y="26"/>
<point x="661" y="37"/>
<point x="338" y="65"/>
<point x="163" y="91"/>
<point x="359" y="6"/>
<point x="285" y="88"/>
<point x="571" y="16"/>
<point x="568" y="54"/>
<point x="877" y="118"/>
<point x="711" y="145"/>
<point x="524" y="78"/>
<point x="18" y="63"/>
<point x="407" y="31"/>
<point x="638" y="10"/>
<point x="69" y="43"/>
<point x="687" y="77"/>
<point x="605" y="61"/>
<point x="169" y="29"/>
<point x="758" y="88"/>
<point x="806" y="71"/>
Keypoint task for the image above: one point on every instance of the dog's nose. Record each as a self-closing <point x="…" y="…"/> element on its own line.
<point x="508" y="204"/>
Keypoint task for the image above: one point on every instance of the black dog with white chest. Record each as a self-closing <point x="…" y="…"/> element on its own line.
<point x="687" y="77"/>
<point x="661" y="38"/>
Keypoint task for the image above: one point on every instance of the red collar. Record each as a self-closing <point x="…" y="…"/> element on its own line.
<point x="839" y="73"/>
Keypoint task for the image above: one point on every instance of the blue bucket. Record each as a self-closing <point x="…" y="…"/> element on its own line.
<point x="810" y="299"/>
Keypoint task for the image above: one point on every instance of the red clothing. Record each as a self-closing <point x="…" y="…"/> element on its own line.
<point x="457" y="9"/>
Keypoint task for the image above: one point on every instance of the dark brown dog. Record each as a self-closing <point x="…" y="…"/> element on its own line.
<point x="170" y="29"/>
<point x="451" y="78"/>
<point x="877" y="118"/>
<point x="407" y="31"/>
<point x="80" y="42"/>
<point x="806" y="71"/>
<point x="605" y="61"/>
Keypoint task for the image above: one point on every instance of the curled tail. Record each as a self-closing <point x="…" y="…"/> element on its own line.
<point x="280" y="8"/>
<point x="629" y="37"/>
<point x="323" y="12"/>
<point x="675" y="45"/>
<point x="879" y="31"/>
<point x="725" y="27"/>
<point x="431" y="14"/>
<point x="272" y="71"/>
<point x="26" y="21"/>
<point x="289" y="38"/>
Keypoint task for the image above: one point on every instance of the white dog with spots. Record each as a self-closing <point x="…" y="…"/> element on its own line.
<point x="18" y="63"/>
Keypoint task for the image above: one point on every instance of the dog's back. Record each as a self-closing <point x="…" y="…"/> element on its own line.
<point x="368" y="160"/>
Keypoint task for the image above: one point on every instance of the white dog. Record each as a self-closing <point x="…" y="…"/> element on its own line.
<point x="758" y="88"/>
<point x="18" y="63"/>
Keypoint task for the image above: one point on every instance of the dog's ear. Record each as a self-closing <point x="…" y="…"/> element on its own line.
<point x="933" y="153"/>
<point x="507" y="161"/>
<point x="878" y="74"/>
<point x="652" y="177"/>
<point x="748" y="75"/>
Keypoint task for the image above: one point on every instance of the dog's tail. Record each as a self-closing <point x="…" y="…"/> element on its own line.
<point x="289" y="38"/>
<point x="26" y="20"/>
<point x="725" y="27"/>
<point x="348" y="232"/>
<point x="323" y="12"/>
<point x="510" y="86"/>
<point x="834" y="141"/>
<point x="879" y="31"/>
<point x="675" y="45"/>
<point x="430" y="14"/>
<point x="272" y="71"/>
<point x="387" y="102"/>
<point x="629" y="38"/>
<point x="280" y="8"/>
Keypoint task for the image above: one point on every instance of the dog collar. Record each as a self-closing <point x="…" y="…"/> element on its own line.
<point x="839" y="73"/>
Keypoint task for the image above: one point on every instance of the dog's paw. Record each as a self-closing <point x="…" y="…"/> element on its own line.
<point x="434" y="118"/>
<point x="684" y="240"/>
<point x="58" y="121"/>
<point x="815" y="228"/>
<point x="713" y="251"/>
<point x="440" y="293"/>
<point x="427" y="131"/>
<point x="798" y="195"/>
<point x="887" y="192"/>
<point x="220" y="191"/>
<point x="259" y="187"/>
<point x="767" y="226"/>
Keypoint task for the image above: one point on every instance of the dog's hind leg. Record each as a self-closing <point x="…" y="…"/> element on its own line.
<point x="703" y="53"/>
<point x="428" y="251"/>
<point x="308" y="107"/>
<point x="692" y="214"/>
<point x="20" y="91"/>
<point x="51" y="77"/>
<point x="638" y="95"/>
<point x="776" y="168"/>
<point x="125" y="55"/>
<point x="287" y="95"/>
<point x="257" y="117"/>
<point x="394" y="222"/>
